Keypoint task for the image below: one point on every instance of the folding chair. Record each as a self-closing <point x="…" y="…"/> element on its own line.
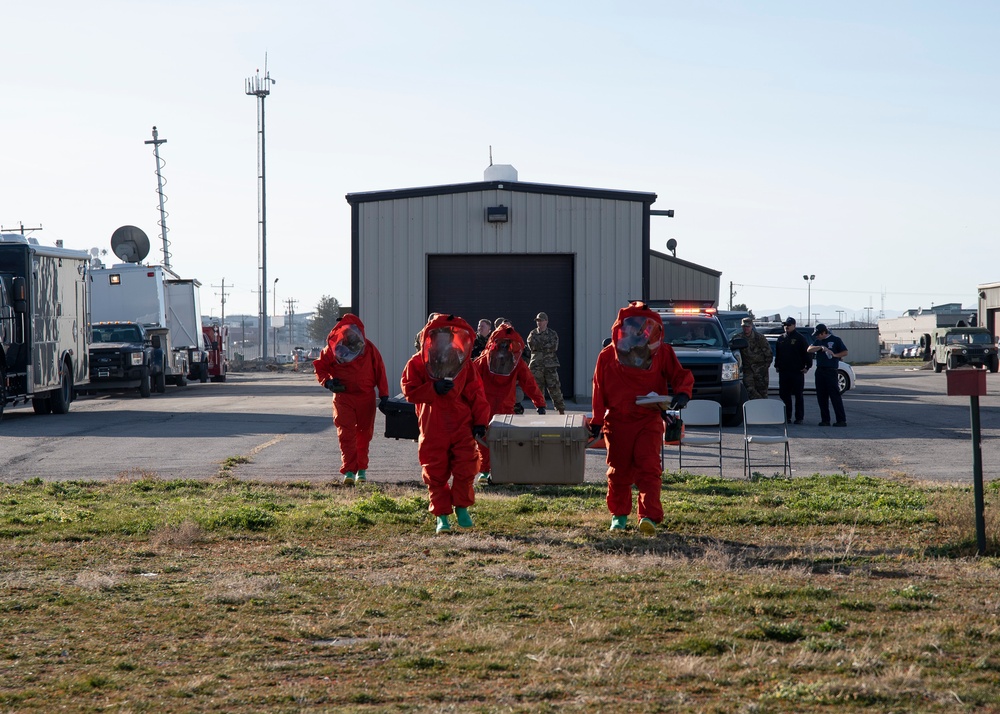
<point x="701" y="413"/>
<point x="766" y="419"/>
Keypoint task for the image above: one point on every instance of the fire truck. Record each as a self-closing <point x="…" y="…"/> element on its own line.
<point x="215" y="338"/>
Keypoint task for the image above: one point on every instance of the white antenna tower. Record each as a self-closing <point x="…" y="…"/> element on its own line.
<point x="159" y="190"/>
<point x="260" y="87"/>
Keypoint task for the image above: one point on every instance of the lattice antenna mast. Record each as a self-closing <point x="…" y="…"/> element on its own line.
<point x="156" y="141"/>
<point x="260" y="87"/>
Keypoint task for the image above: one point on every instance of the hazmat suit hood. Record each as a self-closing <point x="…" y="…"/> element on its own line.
<point x="637" y="334"/>
<point x="446" y="345"/>
<point x="503" y="350"/>
<point x="347" y="339"/>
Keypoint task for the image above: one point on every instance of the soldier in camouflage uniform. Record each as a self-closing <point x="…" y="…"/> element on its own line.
<point x="756" y="358"/>
<point x="544" y="364"/>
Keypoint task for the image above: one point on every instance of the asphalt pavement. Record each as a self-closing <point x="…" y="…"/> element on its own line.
<point x="900" y="423"/>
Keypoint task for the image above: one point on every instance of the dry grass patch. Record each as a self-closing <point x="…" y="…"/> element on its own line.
<point x="806" y="595"/>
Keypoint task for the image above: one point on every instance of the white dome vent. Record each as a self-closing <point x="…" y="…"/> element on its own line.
<point x="500" y="172"/>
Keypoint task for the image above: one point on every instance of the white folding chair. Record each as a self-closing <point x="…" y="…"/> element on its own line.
<point x="764" y="423"/>
<point x="701" y="413"/>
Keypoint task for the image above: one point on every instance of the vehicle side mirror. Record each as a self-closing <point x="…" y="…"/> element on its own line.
<point x="20" y="297"/>
<point x="738" y="343"/>
<point x="155" y="342"/>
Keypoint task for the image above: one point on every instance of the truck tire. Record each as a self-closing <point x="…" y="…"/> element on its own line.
<point x="181" y="380"/>
<point x="3" y="390"/>
<point x="203" y="373"/>
<point x="41" y="405"/>
<point x="145" y="387"/>
<point x="61" y="398"/>
<point x="994" y="364"/>
<point x="160" y="383"/>
<point x="937" y="365"/>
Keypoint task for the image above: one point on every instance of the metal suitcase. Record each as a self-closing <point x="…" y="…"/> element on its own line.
<point x="401" y="419"/>
<point x="537" y="448"/>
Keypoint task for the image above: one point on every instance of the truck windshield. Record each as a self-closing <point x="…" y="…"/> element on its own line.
<point x="969" y="338"/>
<point x="116" y="333"/>
<point x="692" y="333"/>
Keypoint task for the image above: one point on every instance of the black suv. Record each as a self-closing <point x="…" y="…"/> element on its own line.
<point x="702" y="346"/>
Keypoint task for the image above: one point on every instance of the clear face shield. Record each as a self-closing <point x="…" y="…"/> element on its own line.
<point x="445" y="352"/>
<point x="637" y="340"/>
<point x="503" y="358"/>
<point x="347" y="343"/>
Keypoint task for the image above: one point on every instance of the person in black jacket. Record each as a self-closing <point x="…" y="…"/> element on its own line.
<point x="792" y="361"/>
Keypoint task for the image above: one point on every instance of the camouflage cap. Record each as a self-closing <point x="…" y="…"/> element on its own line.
<point x="747" y="321"/>
<point x="541" y="316"/>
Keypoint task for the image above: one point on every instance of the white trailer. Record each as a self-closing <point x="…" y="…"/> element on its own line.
<point x="43" y="324"/>
<point x="130" y="292"/>
<point x="184" y="321"/>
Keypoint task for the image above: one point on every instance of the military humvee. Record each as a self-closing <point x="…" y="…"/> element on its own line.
<point x="963" y="346"/>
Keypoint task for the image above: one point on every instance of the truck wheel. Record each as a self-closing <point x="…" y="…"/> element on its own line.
<point x="203" y="373"/>
<point x="937" y="365"/>
<point x="3" y="390"/>
<point x="160" y="383"/>
<point x="181" y="380"/>
<point x="60" y="399"/>
<point x="145" y="388"/>
<point x="995" y="364"/>
<point x="41" y="405"/>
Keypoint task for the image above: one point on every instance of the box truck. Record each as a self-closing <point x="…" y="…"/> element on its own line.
<point x="43" y="324"/>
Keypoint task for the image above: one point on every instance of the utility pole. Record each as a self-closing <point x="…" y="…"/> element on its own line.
<point x="22" y="229"/>
<point x="260" y="87"/>
<point x="159" y="190"/>
<point x="290" y="311"/>
<point x="732" y="294"/>
<point x="223" y="293"/>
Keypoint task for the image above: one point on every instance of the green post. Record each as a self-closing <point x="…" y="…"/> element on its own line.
<point x="977" y="477"/>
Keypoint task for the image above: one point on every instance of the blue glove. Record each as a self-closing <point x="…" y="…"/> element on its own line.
<point x="383" y="403"/>
<point x="334" y="385"/>
<point x="443" y="386"/>
<point x="541" y="410"/>
<point x="595" y="430"/>
<point x="479" y="431"/>
<point x="680" y="401"/>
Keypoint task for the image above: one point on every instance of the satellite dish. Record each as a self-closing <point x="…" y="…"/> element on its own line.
<point x="130" y="244"/>
<point x="672" y="246"/>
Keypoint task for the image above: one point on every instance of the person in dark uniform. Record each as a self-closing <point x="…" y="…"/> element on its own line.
<point x="829" y="350"/>
<point x="483" y="332"/>
<point x="792" y="360"/>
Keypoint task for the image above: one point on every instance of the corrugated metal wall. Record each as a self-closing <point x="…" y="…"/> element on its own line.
<point x="672" y="279"/>
<point x="396" y="235"/>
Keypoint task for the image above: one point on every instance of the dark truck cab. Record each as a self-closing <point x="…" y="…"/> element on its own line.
<point x="122" y="358"/>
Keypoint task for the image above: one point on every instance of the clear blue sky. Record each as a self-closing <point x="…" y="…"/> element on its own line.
<point x="857" y="141"/>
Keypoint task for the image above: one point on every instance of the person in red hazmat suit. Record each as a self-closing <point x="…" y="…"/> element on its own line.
<point x="633" y="365"/>
<point x="501" y="368"/>
<point x="451" y="411"/>
<point x="351" y="367"/>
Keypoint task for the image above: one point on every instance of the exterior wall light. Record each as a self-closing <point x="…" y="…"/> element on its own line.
<point x="496" y="214"/>
<point x="115" y="279"/>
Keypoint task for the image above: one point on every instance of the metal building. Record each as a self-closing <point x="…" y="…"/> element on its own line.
<point x="504" y="248"/>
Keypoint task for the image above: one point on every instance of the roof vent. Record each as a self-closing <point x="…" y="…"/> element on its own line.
<point x="500" y="172"/>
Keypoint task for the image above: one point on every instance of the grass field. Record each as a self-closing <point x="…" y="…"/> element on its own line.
<point x="816" y="594"/>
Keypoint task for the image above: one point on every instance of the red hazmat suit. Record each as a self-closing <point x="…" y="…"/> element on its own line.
<point x="357" y="363"/>
<point x="446" y="448"/>
<point x="634" y="434"/>
<point x="501" y="368"/>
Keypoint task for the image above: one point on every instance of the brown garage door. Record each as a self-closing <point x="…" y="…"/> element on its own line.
<point x="517" y="287"/>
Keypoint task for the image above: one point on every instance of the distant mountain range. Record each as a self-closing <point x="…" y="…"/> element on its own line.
<point x="831" y="314"/>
